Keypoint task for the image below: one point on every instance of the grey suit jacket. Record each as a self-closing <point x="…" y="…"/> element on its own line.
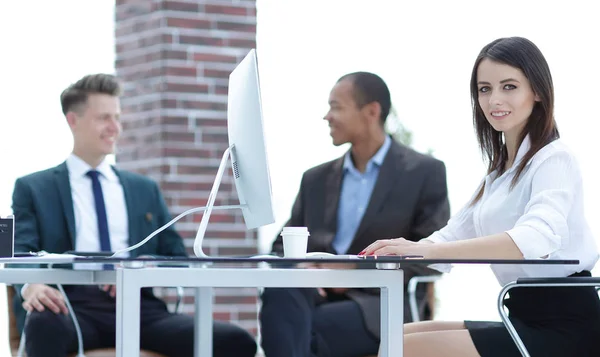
<point x="410" y="200"/>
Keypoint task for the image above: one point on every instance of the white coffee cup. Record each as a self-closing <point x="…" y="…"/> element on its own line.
<point x="295" y="241"/>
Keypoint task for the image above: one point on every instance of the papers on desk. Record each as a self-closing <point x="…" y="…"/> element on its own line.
<point x="59" y="256"/>
<point x="41" y="258"/>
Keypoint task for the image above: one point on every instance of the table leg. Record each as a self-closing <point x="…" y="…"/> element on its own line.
<point x="392" y="320"/>
<point x="128" y="315"/>
<point x="203" y="321"/>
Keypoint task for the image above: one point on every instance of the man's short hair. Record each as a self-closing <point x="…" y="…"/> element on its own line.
<point x="76" y="95"/>
<point x="367" y="88"/>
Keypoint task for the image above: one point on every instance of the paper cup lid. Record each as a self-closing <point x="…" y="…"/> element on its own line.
<point x="295" y="230"/>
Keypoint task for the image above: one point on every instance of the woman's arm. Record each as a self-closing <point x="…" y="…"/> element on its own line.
<point x="497" y="246"/>
<point x="541" y="230"/>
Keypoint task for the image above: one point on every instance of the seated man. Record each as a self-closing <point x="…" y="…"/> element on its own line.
<point x="378" y="189"/>
<point x="85" y="204"/>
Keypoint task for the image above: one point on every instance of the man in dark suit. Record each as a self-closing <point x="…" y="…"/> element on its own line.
<point x="87" y="205"/>
<point x="378" y="189"/>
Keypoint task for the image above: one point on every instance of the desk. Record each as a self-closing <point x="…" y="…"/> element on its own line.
<point x="131" y="275"/>
<point x="203" y="273"/>
<point x="130" y="281"/>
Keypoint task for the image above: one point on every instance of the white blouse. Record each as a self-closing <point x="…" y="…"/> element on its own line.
<point x="543" y="214"/>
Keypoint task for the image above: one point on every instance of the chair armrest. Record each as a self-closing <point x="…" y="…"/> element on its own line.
<point x="179" y="303"/>
<point x="583" y="281"/>
<point x="412" y="292"/>
<point x="172" y="296"/>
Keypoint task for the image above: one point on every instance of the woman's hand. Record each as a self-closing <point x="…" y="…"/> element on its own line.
<point x="398" y="246"/>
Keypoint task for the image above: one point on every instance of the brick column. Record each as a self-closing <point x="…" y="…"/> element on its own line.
<point x="174" y="58"/>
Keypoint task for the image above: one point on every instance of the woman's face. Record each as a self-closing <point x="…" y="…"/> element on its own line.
<point x="505" y="97"/>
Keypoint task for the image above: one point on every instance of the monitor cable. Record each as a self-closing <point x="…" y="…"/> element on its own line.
<point x="80" y="353"/>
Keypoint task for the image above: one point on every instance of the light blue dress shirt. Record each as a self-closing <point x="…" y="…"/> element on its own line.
<point x="355" y="195"/>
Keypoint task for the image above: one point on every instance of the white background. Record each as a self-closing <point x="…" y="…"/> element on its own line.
<point x="423" y="49"/>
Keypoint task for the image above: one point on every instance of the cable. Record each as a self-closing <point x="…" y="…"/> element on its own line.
<point x="21" y="349"/>
<point x="73" y="318"/>
<point x="75" y="322"/>
<point x="115" y="254"/>
<point x="151" y="235"/>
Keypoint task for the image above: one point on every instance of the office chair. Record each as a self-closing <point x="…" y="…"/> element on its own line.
<point x="412" y="294"/>
<point x="533" y="283"/>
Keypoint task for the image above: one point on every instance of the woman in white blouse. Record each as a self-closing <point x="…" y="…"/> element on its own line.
<point x="529" y="206"/>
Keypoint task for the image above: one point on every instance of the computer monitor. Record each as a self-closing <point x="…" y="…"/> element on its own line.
<point x="247" y="149"/>
<point x="247" y="143"/>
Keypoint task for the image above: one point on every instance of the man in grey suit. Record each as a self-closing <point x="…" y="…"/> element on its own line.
<point x="378" y="189"/>
<point x="86" y="204"/>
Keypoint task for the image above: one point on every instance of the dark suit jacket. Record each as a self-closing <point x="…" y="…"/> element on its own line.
<point x="45" y="220"/>
<point x="410" y="200"/>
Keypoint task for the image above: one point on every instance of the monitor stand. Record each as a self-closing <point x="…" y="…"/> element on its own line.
<point x="211" y="201"/>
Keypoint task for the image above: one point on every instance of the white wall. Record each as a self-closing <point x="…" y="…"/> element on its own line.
<point x="425" y="51"/>
<point x="47" y="45"/>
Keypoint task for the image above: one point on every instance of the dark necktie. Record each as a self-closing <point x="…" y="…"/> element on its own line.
<point x="100" y="211"/>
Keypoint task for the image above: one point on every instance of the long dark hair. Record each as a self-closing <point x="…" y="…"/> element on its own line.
<point x="541" y="127"/>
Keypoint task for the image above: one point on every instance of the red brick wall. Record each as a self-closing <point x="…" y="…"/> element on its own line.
<point x="174" y="58"/>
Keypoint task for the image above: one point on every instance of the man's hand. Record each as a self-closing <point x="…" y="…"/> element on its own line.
<point x="324" y="292"/>
<point x="307" y="266"/>
<point x="339" y="291"/>
<point x="40" y="296"/>
<point x="337" y="266"/>
<point x="110" y="289"/>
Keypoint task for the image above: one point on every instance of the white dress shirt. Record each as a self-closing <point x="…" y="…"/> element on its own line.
<point x="543" y="214"/>
<point x="87" y="238"/>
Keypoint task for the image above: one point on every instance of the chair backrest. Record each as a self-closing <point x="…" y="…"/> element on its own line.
<point x="14" y="336"/>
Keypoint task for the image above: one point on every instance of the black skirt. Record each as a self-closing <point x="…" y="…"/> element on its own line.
<point x="551" y="321"/>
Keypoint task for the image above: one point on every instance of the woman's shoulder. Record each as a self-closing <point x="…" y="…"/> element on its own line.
<point x="556" y="150"/>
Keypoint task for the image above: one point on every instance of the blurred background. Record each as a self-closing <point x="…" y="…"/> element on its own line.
<point x="424" y="50"/>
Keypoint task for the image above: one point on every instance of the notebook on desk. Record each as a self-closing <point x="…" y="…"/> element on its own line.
<point x="325" y="255"/>
<point x="354" y="256"/>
